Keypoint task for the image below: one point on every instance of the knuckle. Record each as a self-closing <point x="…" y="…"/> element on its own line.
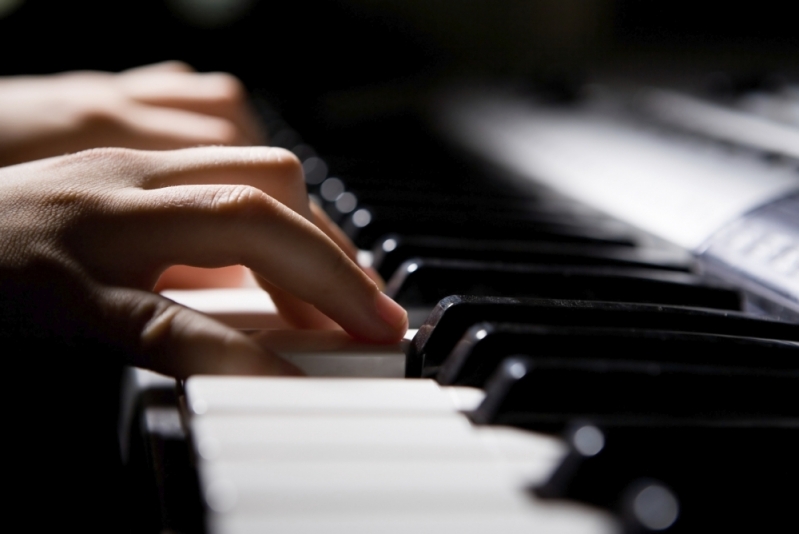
<point x="237" y="199"/>
<point x="94" y="178"/>
<point x="229" y="88"/>
<point x="285" y="165"/>
<point x="105" y="161"/>
<point x="98" y="117"/>
<point x="101" y="154"/>
<point x="178" y="65"/>
<point x="284" y="157"/>
<point x="159" y="319"/>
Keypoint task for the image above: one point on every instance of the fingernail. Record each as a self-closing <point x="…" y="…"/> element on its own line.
<point x="391" y="312"/>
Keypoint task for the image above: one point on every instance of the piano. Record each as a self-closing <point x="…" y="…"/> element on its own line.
<point x="622" y="218"/>
<point x="603" y="288"/>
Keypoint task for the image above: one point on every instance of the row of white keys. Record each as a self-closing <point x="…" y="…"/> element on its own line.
<point x="367" y="455"/>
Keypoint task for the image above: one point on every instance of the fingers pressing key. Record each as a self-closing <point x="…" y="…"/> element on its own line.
<point x="113" y="219"/>
<point x="268" y="228"/>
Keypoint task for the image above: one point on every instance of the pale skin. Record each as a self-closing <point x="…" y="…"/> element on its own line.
<point x="156" y="107"/>
<point x="88" y="234"/>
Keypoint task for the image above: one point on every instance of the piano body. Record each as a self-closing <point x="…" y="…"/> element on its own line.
<point x="606" y="341"/>
<point x="599" y="254"/>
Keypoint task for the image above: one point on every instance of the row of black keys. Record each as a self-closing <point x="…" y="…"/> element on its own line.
<point x="571" y="327"/>
<point x="690" y="410"/>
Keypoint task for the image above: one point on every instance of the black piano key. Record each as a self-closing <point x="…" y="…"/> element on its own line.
<point x="546" y="392"/>
<point x="416" y="198"/>
<point x="453" y="316"/>
<point x="485" y="345"/>
<point x="722" y="478"/>
<point x="366" y="225"/>
<point x="422" y="283"/>
<point x="425" y="195"/>
<point x="545" y="248"/>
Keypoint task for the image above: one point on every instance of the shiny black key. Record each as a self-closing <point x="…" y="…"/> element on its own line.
<point x="421" y="284"/>
<point x="701" y="479"/>
<point x="485" y="345"/>
<point x="366" y="225"/>
<point x="546" y="392"/>
<point x="392" y="251"/>
<point x="453" y="316"/>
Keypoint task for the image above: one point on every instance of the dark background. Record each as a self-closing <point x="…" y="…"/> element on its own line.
<point x="328" y="63"/>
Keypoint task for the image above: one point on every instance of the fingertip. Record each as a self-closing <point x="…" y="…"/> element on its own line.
<point x="394" y="317"/>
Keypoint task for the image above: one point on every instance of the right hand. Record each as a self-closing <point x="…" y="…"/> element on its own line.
<point x="84" y="237"/>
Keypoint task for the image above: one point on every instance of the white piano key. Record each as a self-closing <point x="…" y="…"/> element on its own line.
<point x="321" y="437"/>
<point x="529" y="457"/>
<point x="356" y="477"/>
<point x="357" y="455"/>
<point x="556" y="518"/>
<point x="239" y="307"/>
<point x="386" y="364"/>
<point x="465" y="399"/>
<point x="211" y="449"/>
<point x="333" y="353"/>
<point x="348" y="494"/>
<point x="207" y="395"/>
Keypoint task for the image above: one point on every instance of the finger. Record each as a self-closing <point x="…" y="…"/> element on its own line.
<point x="296" y="312"/>
<point x="163" y="66"/>
<point x="335" y="233"/>
<point x="211" y="226"/>
<point x="155" y="128"/>
<point x="170" y="339"/>
<point x="332" y="231"/>
<point x="185" y="277"/>
<point x="275" y="171"/>
<point x="216" y="94"/>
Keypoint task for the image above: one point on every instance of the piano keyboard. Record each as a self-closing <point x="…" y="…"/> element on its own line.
<point x="625" y="362"/>
<point x="338" y="455"/>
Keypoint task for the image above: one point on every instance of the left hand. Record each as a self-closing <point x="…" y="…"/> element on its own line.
<point x="156" y="107"/>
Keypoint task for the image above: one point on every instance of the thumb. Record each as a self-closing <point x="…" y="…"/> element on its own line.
<point x="168" y="338"/>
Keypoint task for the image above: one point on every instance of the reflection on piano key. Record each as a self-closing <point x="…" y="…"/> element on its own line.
<point x="453" y="316"/>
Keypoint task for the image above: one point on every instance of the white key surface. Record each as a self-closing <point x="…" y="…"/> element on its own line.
<point x="367" y="455"/>
<point x="208" y="395"/>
